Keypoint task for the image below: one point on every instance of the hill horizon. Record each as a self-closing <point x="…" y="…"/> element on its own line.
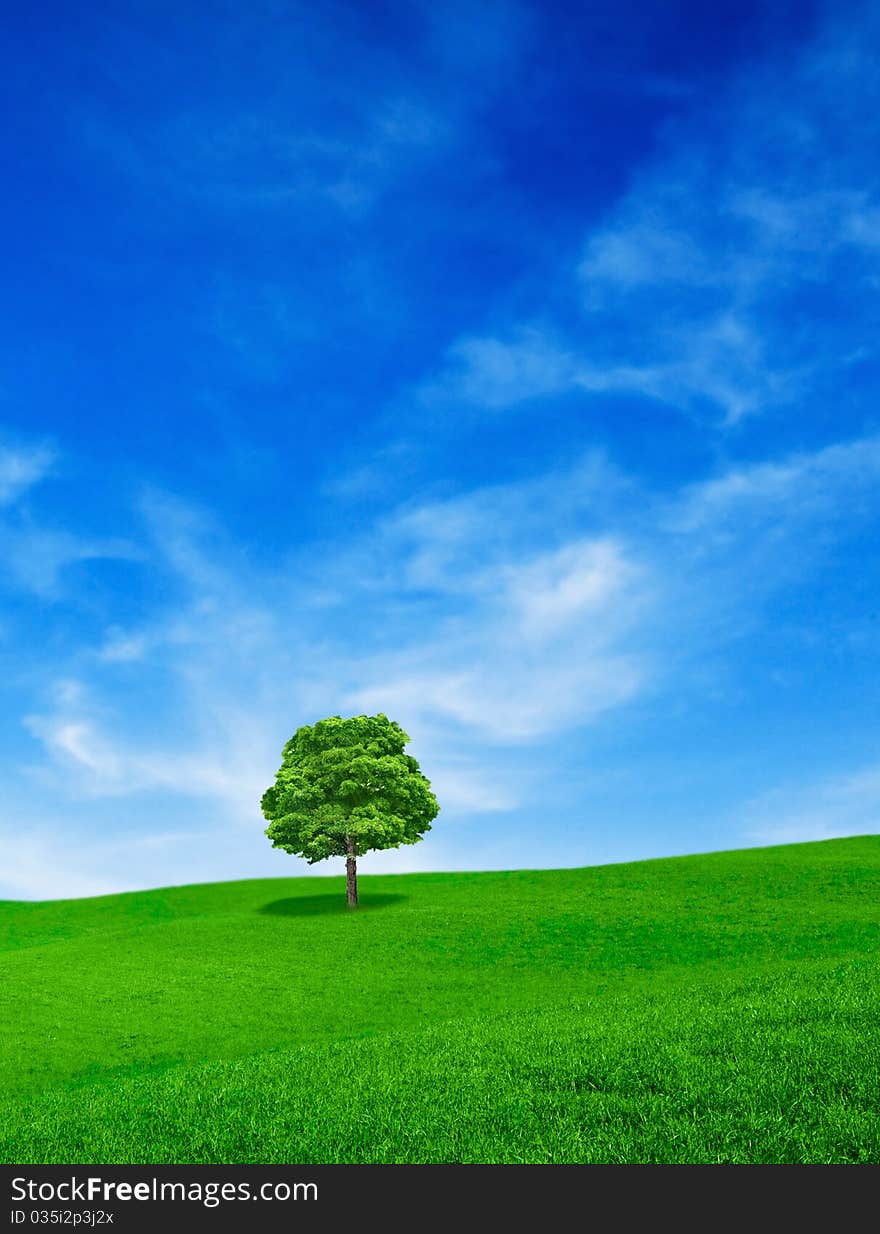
<point x="418" y="874"/>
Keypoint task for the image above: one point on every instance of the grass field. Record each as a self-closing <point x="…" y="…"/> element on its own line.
<point x="721" y="1008"/>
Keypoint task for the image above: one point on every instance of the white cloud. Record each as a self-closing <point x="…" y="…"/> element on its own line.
<point x="641" y="254"/>
<point x="468" y="790"/>
<point x="256" y="159"/>
<point x="35" y="558"/>
<point x="713" y="284"/>
<point x="721" y="359"/>
<point x="120" y="648"/>
<point x="37" y="866"/>
<point x="448" y="546"/>
<point x="275" y="141"/>
<point x="508" y="617"/>
<point x="507" y="698"/>
<point x="583" y="579"/>
<point x="78" y="742"/>
<point x="76" y="859"/>
<point x="823" y="809"/>
<point x="21" y="469"/>
<point x="831" y="483"/>
<point x="746" y="207"/>
<point x="100" y="754"/>
<point x="537" y="639"/>
<point x="497" y="373"/>
<point x="34" y="555"/>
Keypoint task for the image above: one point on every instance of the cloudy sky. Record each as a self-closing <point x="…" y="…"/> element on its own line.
<point x="510" y="368"/>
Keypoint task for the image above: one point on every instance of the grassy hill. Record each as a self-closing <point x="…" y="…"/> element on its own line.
<point x="711" y="1008"/>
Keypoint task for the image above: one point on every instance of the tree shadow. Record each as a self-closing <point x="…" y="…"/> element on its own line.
<point x="314" y="906"/>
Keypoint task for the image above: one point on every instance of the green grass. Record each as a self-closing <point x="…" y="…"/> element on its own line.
<point x="720" y="1008"/>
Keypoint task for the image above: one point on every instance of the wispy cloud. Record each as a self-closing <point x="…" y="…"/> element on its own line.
<point x="504" y="619"/>
<point x="36" y="867"/>
<point x="36" y="549"/>
<point x="120" y="647"/>
<point x="487" y="612"/>
<point x="822" y="809"/>
<point x="724" y="239"/>
<point x="497" y="373"/>
<point x="105" y="764"/>
<point x="243" y="161"/>
<point x="833" y="484"/>
<point x="534" y="641"/>
<point x="21" y="468"/>
<point x="291" y="125"/>
<point x="713" y="284"/>
<point x="35" y="558"/>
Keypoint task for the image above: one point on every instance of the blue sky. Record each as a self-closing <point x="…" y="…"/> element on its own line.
<point x="509" y="368"/>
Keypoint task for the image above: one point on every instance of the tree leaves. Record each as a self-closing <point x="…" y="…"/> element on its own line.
<point x="344" y="778"/>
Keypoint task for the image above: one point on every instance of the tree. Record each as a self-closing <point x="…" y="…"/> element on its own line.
<point x="344" y="788"/>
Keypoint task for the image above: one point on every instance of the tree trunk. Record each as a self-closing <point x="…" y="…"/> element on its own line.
<point x="351" y="877"/>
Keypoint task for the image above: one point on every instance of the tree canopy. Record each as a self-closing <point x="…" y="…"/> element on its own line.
<point x="346" y="787"/>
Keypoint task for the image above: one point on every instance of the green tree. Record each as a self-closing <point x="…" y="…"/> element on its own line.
<point x="344" y="788"/>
